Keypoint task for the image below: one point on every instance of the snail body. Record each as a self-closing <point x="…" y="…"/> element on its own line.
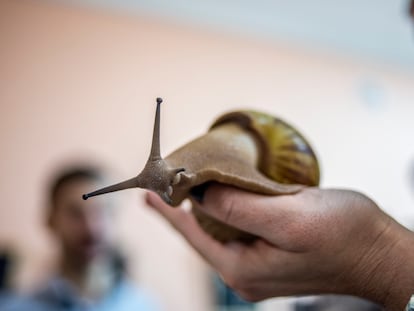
<point x="249" y="150"/>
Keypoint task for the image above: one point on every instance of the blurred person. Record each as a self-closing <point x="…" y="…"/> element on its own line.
<point x="91" y="272"/>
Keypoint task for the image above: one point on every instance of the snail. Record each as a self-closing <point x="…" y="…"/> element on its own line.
<point x="249" y="150"/>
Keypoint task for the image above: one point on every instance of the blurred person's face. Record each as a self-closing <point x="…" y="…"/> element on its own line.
<point x="81" y="227"/>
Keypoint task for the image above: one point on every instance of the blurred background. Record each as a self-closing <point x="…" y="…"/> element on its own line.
<point x="78" y="81"/>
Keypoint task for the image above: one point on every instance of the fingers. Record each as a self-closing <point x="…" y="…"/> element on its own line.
<point x="217" y="254"/>
<point x="257" y="214"/>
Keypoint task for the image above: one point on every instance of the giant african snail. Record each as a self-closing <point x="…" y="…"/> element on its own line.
<point x="246" y="149"/>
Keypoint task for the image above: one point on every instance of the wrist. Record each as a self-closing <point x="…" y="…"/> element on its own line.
<point x="386" y="272"/>
<point x="401" y="262"/>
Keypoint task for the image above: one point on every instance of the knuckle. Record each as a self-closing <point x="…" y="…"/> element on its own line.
<point x="235" y="281"/>
<point x="232" y="281"/>
<point x="249" y="296"/>
<point x="298" y="236"/>
<point x="238" y="280"/>
<point x="225" y="204"/>
<point x="243" y="284"/>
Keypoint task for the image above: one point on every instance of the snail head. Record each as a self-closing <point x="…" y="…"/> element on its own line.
<point x="157" y="175"/>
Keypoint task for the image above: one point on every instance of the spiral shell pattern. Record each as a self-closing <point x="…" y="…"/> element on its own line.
<point x="285" y="155"/>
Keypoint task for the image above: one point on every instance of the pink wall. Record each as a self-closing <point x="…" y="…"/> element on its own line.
<point x="82" y="84"/>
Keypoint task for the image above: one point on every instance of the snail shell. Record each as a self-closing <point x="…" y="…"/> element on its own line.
<point x="286" y="156"/>
<point x="250" y="150"/>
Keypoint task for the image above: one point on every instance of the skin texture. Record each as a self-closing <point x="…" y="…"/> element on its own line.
<point x="312" y="242"/>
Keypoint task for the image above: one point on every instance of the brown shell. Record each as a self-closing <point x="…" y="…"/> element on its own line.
<point x="286" y="156"/>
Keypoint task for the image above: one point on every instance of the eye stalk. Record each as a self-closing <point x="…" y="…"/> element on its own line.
<point x="156" y="175"/>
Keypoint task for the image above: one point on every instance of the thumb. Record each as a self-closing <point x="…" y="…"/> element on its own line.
<point x="250" y="212"/>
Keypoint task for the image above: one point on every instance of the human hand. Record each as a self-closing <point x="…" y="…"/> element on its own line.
<point x="316" y="241"/>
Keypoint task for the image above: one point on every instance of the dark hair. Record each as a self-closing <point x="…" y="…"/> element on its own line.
<point x="68" y="175"/>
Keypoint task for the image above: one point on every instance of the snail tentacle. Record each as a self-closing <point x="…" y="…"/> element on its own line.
<point x="157" y="175"/>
